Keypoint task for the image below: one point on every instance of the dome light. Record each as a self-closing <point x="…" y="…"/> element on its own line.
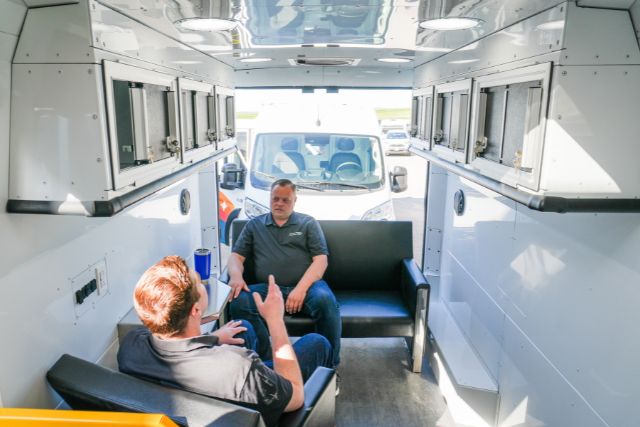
<point x="397" y="60"/>
<point x="207" y="24"/>
<point x="255" y="59"/>
<point x="450" y="24"/>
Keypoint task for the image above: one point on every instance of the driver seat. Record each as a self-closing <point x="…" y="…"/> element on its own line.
<point x="344" y="155"/>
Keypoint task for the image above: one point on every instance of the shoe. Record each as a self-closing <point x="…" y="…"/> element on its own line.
<point x="338" y="381"/>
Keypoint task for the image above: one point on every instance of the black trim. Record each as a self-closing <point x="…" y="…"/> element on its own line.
<point x="111" y="207"/>
<point x="533" y="201"/>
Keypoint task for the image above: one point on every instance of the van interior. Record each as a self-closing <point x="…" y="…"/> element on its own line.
<point x="522" y="119"/>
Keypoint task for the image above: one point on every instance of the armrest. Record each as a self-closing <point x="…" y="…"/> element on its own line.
<point x="319" y="408"/>
<point x="411" y="280"/>
<point x="87" y="386"/>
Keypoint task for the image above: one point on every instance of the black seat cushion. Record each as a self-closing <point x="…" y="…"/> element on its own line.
<point x="86" y="386"/>
<point x="364" y="314"/>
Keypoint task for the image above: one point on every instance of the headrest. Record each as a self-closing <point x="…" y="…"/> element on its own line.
<point x="289" y="144"/>
<point x="346" y="144"/>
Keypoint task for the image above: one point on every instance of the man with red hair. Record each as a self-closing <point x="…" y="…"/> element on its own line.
<point x="171" y="300"/>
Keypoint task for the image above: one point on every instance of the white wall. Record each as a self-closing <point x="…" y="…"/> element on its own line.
<point x="10" y="22"/>
<point x="40" y="256"/>
<point x="548" y="302"/>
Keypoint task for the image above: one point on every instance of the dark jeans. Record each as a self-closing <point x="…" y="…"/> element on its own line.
<point x="312" y="350"/>
<point x="320" y="304"/>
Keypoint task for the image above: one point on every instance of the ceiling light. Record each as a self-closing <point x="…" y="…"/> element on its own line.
<point x="207" y="24"/>
<point x="551" y="25"/>
<point x="432" y="49"/>
<point x="463" y="61"/>
<point x="371" y="72"/>
<point x="394" y="59"/>
<point x="448" y="24"/>
<point x="255" y="59"/>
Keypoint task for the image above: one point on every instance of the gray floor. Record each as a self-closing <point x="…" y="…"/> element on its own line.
<point x="379" y="389"/>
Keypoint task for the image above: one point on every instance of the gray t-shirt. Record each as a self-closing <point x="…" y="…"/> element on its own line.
<point x="286" y="252"/>
<point x="200" y="365"/>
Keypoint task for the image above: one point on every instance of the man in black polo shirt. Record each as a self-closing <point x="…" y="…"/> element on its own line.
<point x="292" y="247"/>
<point x="170" y="300"/>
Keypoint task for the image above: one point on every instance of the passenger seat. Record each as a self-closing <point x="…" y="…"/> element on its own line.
<point x="289" y="160"/>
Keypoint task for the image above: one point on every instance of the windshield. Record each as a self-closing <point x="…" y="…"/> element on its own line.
<point x="318" y="161"/>
<point x="396" y="135"/>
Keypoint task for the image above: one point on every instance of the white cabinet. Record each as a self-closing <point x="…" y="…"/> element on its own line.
<point x="91" y="139"/>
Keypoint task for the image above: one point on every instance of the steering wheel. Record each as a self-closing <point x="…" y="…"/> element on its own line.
<point x="347" y="166"/>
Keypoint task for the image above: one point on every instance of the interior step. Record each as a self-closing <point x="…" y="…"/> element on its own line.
<point x="471" y="391"/>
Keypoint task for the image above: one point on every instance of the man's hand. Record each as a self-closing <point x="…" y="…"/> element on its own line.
<point x="227" y="333"/>
<point x="273" y="306"/>
<point x="237" y="286"/>
<point x="295" y="300"/>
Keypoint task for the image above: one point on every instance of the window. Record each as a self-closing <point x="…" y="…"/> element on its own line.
<point x="317" y="161"/>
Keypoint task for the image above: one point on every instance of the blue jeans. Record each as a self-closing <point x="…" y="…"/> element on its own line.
<point x="312" y="350"/>
<point x="320" y="304"/>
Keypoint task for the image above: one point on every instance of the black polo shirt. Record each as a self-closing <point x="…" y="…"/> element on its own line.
<point x="202" y="366"/>
<point x="286" y="251"/>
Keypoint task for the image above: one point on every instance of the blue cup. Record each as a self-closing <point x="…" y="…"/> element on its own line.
<point x="202" y="261"/>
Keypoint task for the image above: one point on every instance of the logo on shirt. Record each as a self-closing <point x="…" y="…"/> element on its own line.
<point x="296" y="233"/>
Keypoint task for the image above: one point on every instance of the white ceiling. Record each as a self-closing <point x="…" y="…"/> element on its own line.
<point x="361" y="29"/>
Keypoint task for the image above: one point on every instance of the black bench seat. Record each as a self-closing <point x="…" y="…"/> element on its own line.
<point x="380" y="288"/>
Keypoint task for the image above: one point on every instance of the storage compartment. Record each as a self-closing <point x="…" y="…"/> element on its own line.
<point x="451" y="120"/>
<point x="142" y="109"/>
<point x="508" y="124"/>
<point x="422" y="116"/>
<point x="226" y="115"/>
<point x="197" y="110"/>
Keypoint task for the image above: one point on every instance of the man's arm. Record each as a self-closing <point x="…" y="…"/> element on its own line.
<point x="314" y="272"/>
<point x="235" y="266"/>
<point x="285" y="362"/>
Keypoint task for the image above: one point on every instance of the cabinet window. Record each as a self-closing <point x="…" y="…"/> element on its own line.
<point x="508" y="115"/>
<point x="142" y="122"/>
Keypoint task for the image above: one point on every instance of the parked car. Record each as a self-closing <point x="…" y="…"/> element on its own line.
<point x="396" y="142"/>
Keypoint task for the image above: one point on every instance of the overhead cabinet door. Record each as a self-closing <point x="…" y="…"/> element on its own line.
<point x="226" y="115"/>
<point x="143" y="126"/>
<point x="197" y="111"/>
<point x="508" y="125"/>
<point x="449" y="135"/>
<point x="421" y="118"/>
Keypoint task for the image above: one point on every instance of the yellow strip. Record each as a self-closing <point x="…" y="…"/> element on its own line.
<point x="19" y="417"/>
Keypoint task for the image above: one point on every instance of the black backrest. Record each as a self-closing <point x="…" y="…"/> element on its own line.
<point x="363" y="255"/>
<point x="87" y="386"/>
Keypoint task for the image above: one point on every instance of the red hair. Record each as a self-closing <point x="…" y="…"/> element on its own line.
<point x="164" y="296"/>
